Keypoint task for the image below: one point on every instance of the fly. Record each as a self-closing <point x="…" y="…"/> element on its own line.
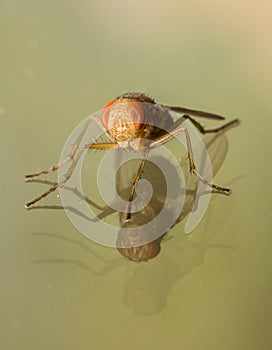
<point x="134" y="121"/>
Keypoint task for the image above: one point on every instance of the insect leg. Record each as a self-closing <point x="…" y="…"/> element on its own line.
<point x="169" y="136"/>
<point x="134" y="184"/>
<point x="205" y="131"/>
<point x="71" y="154"/>
<point x="102" y="146"/>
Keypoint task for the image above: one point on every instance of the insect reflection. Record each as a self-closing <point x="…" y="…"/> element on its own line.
<point x="146" y="286"/>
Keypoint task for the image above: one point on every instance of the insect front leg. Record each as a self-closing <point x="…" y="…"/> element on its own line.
<point x="72" y="156"/>
<point x="57" y="185"/>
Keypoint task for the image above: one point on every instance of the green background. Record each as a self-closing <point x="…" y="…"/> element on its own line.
<point x="62" y="60"/>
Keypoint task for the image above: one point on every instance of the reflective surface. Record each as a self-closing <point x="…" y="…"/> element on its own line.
<point x="207" y="290"/>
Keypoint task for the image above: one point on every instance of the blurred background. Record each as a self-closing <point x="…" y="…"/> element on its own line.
<point x="61" y="61"/>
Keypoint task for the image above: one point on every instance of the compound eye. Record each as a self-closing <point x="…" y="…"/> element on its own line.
<point x="137" y="115"/>
<point x="106" y="113"/>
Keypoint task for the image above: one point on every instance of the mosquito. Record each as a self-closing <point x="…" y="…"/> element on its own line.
<point x="130" y="123"/>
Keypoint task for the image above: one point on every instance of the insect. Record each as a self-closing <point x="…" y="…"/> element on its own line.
<point x="134" y="121"/>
